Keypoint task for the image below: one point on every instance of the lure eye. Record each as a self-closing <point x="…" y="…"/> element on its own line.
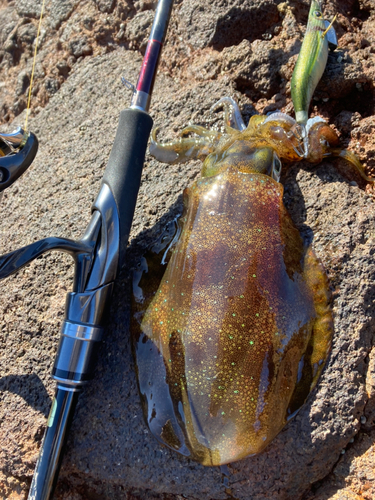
<point x="317" y="13"/>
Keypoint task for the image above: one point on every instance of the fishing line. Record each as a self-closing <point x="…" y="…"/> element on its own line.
<point x="329" y="27"/>
<point x="33" y="68"/>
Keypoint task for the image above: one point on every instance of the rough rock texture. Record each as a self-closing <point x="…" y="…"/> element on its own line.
<point x="245" y="49"/>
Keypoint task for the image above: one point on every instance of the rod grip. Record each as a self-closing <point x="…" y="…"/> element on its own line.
<point x="124" y="169"/>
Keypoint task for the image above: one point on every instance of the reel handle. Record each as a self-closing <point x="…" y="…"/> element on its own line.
<point x="13" y="165"/>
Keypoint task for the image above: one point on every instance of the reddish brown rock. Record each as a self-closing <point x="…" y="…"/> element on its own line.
<point x="110" y="452"/>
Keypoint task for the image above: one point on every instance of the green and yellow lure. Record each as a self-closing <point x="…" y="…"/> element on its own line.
<point x="311" y="61"/>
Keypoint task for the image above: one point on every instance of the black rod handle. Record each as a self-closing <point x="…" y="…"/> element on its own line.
<point x="124" y="169"/>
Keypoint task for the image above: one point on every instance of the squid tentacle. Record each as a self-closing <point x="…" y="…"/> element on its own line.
<point x="232" y="114"/>
<point x="352" y="159"/>
<point x="184" y="148"/>
<point x="198" y="130"/>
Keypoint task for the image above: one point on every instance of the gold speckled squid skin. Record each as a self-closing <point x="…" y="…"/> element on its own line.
<point x="237" y="333"/>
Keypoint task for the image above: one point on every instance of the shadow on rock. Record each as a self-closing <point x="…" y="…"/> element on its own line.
<point x="239" y="24"/>
<point x="30" y="388"/>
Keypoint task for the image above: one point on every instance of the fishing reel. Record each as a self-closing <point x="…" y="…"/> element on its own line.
<point x="17" y="152"/>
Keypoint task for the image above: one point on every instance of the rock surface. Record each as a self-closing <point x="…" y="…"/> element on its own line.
<point x="245" y="49"/>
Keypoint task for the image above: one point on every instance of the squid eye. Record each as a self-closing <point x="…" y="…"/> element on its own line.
<point x="276" y="167"/>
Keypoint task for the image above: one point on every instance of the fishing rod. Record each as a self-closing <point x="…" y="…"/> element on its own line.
<point x="98" y="257"/>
